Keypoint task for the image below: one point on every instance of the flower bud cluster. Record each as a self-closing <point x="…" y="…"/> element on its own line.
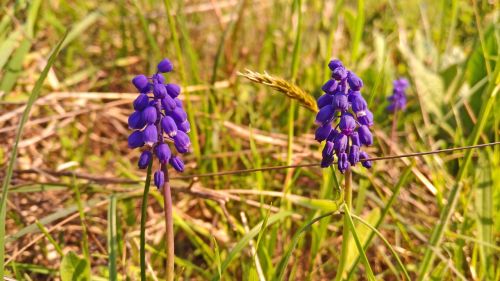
<point x="344" y="119"/>
<point x="159" y="118"/>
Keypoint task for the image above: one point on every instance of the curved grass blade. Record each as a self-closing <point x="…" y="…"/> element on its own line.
<point x="280" y="270"/>
<point x="400" y="263"/>
<point x="402" y="180"/>
<point x="10" y="167"/>
<point x="361" y="251"/>
<point x="49" y="237"/>
<point x="246" y="239"/>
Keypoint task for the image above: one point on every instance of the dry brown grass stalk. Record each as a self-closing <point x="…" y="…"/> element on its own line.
<point x="281" y="85"/>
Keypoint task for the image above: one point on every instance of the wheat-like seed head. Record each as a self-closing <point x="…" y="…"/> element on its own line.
<point x="281" y="85"/>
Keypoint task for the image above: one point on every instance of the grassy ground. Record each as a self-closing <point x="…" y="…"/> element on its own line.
<point x="74" y="200"/>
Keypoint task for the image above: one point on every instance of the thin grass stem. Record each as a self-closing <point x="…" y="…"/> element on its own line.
<point x="169" y="224"/>
<point x="346" y="231"/>
<point x="144" y="206"/>
<point x="402" y="181"/>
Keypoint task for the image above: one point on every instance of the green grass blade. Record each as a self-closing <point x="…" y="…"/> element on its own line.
<point x="217" y="257"/>
<point x="402" y="181"/>
<point x="85" y="236"/>
<point x="374" y="230"/>
<point x="182" y="71"/>
<point x="358" y="31"/>
<point x="246" y="239"/>
<point x="145" y="27"/>
<point x="280" y="270"/>
<point x="12" y="161"/>
<point x="144" y="206"/>
<point x="8" y="46"/>
<point x="361" y="251"/>
<point x="262" y="231"/>
<point x="80" y="27"/>
<point x="293" y="104"/>
<point x="112" y="239"/>
<point x="50" y="238"/>
<point x="14" y="67"/>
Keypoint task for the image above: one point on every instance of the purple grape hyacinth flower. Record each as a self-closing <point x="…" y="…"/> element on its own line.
<point x="159" y="118"/>
<point x="398" y="97"/>
<point x="344" y="119"/>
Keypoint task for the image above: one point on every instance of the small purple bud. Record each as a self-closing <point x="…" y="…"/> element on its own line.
<point x="168" y="103"/>
<point x="354" y="81"/>
<point x="342" y="88"/>
<point x="149" y="115"/>
<point x="324" y="100"/>
<point x="355" y="139"/>
<point x="401" y="83"/>
<point x="173" y="90"/>
<point x="177" y="163"/>
<point x="334" y="64"/>
<point x="351" y="95"/>
<point x="323" y="132"/>
<point x="185" y="127"/>
<point x="182" y="142"/>
<point x="145" y="159"/>
<point x="178" y="114"/>
<point x="150" y="135"/>
<point x="328" y="150"/>
<point x="343" y="164"/>
<point x="333" y="134"/>
<point x="330" y="86"/>
<point x="362" y="156"/>
<point x="163" y="153"/>
<point x="141" y="102"/>
<point x="140" y="82"/>
<point x="340" y="102"/>
<point x="135" y="139"/>
<point x="347" y="124"/>
<point x="169" y="126"/>
<point x="358" y="103"/>
<point x="365" y="136"/>
<point x="159" y="90"/>
<point x="365" y="117"/>
<point x="178" y="102"/>
<point x="340" y="73"/>
<point x="159" y="179"/>
<point x="165" y="66"/>
<point x="159" y="78"/>
<point x="340" y="143"/>
<point x="326" y="162"/>
<point x="325" y="115"/>
<point x="135" y="120"/>
<point x="354" y="155"/>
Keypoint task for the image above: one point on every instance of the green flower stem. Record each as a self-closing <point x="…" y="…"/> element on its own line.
<point x="346" y="232"/>
<point x="142" y="250"/>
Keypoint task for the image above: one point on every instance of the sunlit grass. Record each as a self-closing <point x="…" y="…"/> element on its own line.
<point x="78" y="207"/>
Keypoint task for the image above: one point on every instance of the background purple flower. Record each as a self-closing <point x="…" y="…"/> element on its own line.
<point x="398" y="97"/>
